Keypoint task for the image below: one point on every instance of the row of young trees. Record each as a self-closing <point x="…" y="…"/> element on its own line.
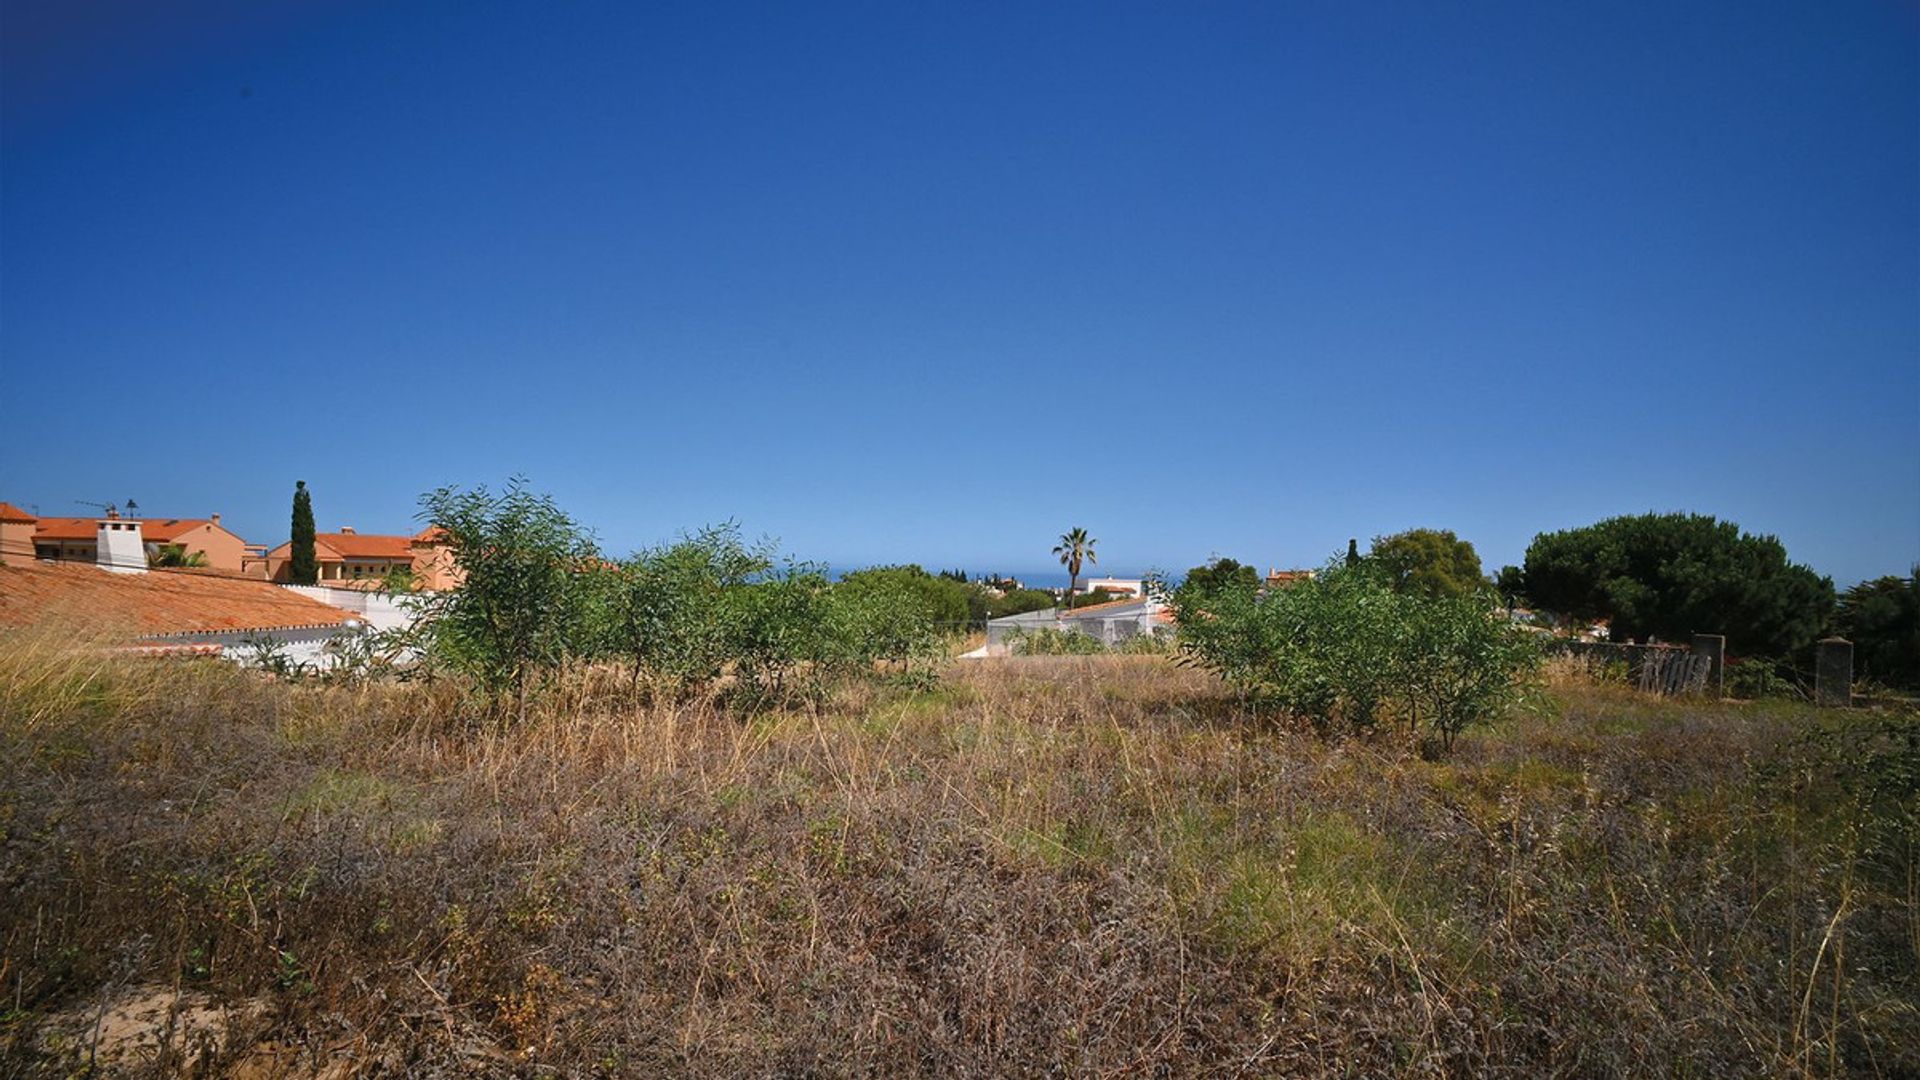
<point x="538" y="596"/>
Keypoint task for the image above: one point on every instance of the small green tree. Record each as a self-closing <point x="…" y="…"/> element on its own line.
<point x="893" y="618"/>
<point x="303" y="566"/>
<point x="513" y="621"/>
<point x="782" y="635"/>
<point x="1345" y="649"/>
<point x="1219" y="573"/>
<point x="673" y="610"/>
<point x="1457" y="663"/>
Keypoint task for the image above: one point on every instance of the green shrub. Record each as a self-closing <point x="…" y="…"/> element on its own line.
<point x="1346" y="650"/>
<point x="1757" y="678"/>
<point x="520" y="609"/>
<point x="537" y="596"/>
<point x="1146" y="645"/>
<point x="777" y="631"/>
<point x="1019" y="602"/>
<point x="671" y="611"/>
<point x="895" y="617"/>
<point x="1048" y="641"/>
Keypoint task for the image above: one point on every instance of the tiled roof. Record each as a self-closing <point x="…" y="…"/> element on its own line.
<point x="333" y="547"/>
<point x="151" y="604"/>
<point x="1131" y="601"/>
<point x="162" y="530"/>
<point x="367" y="546"/>
<point x="10" y="512"/>
<point x="65" y="528"/>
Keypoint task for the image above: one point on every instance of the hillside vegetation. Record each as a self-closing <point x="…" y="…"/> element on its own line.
<point x="1095" y="865"/>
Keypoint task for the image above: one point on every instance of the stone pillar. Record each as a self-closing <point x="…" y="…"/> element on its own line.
<point x="1833" y="674"/>
<point x="1714" y="648"/>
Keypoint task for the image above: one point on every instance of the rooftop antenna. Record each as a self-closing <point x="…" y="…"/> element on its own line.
<point x="107" y="507"/>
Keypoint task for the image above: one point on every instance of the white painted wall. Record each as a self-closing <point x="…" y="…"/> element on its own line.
<point x="382" y="611"/>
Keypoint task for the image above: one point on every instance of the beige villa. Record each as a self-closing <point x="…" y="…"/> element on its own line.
<point x="347" y="556"/>
<point x="76" y="539"/>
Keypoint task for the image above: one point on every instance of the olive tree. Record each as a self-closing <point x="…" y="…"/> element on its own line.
<point x="779" y="632"/>
<point x="517" y="614"/>
<point x="1346" y="649"/>
<point x="671" y="620"/>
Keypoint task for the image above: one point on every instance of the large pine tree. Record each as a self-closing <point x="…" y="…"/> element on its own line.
<point x="305" y="568"/>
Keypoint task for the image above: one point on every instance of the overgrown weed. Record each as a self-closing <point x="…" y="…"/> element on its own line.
<point x="1084" y="864"/>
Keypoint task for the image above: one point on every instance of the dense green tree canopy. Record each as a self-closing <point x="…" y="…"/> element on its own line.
<point x="1346" y="646"/>
<point x="1021" y="601"/>
<point x="1223" y="573"/>
<point x="1674" y="575"/>
<point x="937" y="597"/>
<point x="1430" y="561"/>
<point x="1882" y="619"/>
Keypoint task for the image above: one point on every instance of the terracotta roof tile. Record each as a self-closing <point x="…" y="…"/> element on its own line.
<point x="152" y="604"/>
<point x="161" y="530"/>
<point x="10" y="512"/>
<point x="362" y="546"/>
<point x="368" y="546"/>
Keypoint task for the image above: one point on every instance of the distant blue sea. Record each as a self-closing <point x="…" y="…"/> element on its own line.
<point x="1055" y="578"/>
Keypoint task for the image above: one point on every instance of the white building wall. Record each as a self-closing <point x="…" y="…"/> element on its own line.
<point x="382" y="611"/>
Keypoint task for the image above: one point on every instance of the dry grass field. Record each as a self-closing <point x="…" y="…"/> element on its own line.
<point x="1101" y="866"/>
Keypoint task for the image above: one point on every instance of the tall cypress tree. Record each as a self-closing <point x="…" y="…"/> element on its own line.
<point x="305" y="568"/>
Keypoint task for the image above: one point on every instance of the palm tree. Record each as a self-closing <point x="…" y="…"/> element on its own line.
<point x="1074" y="547"/>
<point x="175" y="555"/>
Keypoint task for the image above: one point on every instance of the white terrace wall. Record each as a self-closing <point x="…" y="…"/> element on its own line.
<point x="382" y="611"/>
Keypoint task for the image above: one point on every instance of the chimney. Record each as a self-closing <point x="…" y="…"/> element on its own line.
<point x="346" y="530"/>
<point x="215" y="519"/>
<point x="118" y="546"/>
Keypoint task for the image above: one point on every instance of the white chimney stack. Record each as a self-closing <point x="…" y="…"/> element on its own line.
<point x="118" y="545"/>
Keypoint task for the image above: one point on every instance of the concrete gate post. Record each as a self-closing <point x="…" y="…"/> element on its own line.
<point x="1833" y="674"/>
<point x="1714" y="648"/>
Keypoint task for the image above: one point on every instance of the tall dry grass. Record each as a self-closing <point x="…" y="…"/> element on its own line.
<point x="1099" y="865"/>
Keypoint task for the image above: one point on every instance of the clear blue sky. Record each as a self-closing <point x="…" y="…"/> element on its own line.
<point x="934" y="282"/>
